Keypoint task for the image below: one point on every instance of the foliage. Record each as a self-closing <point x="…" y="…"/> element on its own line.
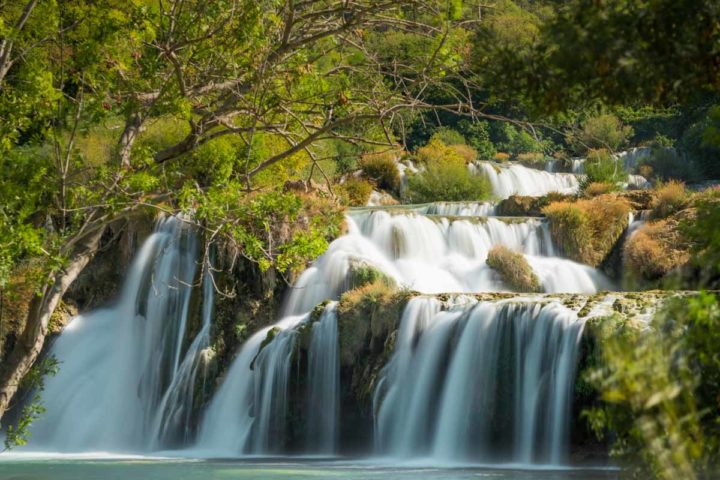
<point x="655" y="249"/>
<point x="670" y="197"/>
<point x="477" y="135"/>
<point x="445" y="178"/>
<point x="34" y="383"/>
<point x="666" y="163"/>
<point x="356" y="191"/>
<point x="703" y="233"/>
<point x="587" y="229"/>
<point x="600" y="132"/>
<point x="618" y="51"/>
<point x="382" y="170"/>
<point x="514" y="269"/>
<point x="601" y="167"/>
<point x="448" y="136"/>
<point x="595" y="189"/>
<point x="513" y="140"/>
<point x="660" y="389"/>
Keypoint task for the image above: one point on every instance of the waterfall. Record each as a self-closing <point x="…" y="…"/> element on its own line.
<point x="462" y="209"/>
<point x="119" y="365"/>
<point x="517" y="179"/>
<point x="479" y="382"/>
<point x="323" y="384"/>
<point x="247" y="414"/>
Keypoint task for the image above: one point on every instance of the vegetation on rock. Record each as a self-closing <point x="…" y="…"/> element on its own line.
<point x="514" y="269"/>
<point x="587" y="229"/>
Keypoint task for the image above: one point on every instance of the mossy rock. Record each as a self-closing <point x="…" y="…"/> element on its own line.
<point x="514" y="269"/>
<point x="586" y="230"/>
<point x="362" y="273"/>
<point x="366" y="313"/>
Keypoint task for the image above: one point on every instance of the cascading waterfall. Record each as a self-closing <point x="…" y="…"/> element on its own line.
<point x="323" y="384"/>
<point x="119" y="366"/>
<point x="486" y="381"/>
<point x="479" y="382"/>
<point x="517" y="179"/>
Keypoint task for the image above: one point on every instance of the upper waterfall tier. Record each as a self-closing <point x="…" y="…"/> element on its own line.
<point x="517" y="179"/>
<point x="434" y="255"/>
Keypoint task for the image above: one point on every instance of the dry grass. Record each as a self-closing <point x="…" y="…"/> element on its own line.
<point x="595" y="189"/>
<point x="501" y="157"/>
<point x="670" y="197"/>
<point x="468" y="153"/>
<point x="655" y="250"/>
<point x="514" y="269"/>
<point x="382" y="170"/>
<point x="587" y="229"/>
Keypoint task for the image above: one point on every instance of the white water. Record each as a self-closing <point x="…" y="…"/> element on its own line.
<point x="128" y="383"/>
<point x="517" y="179"/>
<point x="121" y="367"/>
<point x="323" y="384"/>
<point x="479" y="382"/>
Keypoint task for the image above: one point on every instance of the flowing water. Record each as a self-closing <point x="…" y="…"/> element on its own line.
<point x="467" y="381"/>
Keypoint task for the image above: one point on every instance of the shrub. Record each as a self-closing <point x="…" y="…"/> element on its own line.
<point x="531" y="158"/>
<point x="356" y="191"/>
<point x="448" y="136"/>
<point x="655" y="250"/>
<point x="703" y="232"/>
<point x="669" y="198"/>
<point x="514" y="269"/>
<point x="598" y="188"/>
<point x="466" y="152"/>
<point x="382" y="170"/>
<point x="438" y="152"/>
<point x="601" y="167"/>
<point x="603" y="131"/>
<point x="587" y="229"/>
<point x="666" y="163"/>
<point x="446" y="181"/>
<point x="477" y="134"/>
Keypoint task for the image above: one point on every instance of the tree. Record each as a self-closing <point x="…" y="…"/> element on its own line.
<point x="217" y="104"/>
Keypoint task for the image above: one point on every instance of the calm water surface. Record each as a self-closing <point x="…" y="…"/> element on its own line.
<point x="150" y="469"/>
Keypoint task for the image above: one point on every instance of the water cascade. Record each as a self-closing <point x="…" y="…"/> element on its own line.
<point x="479" y="382"/>
<point x="124" y="369"/>
<point x="517" y="179"/>
<point x="466" y="380"/>
<point x="323" y="384"/>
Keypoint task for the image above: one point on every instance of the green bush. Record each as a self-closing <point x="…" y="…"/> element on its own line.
<point x="445" y="178"/>
<point x="601" y="167"/>
<point x="513" y="140"/>
<point x="448" y="136"/>
<point x="703" y="232"/>
<point x="667" y="164"/>
<point x="382" y="170"/>
<point x="660" y="389"/>
<point x="477" y="134"/>
<point x="514" y="269"/>
<point x="603" y="131"/>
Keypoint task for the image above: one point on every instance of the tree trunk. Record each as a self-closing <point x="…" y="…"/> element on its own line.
<point x="42" y="306"/>
<point x="128" y="137"/>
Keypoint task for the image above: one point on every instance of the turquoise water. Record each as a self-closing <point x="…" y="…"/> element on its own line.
<point x="292" y="470"/>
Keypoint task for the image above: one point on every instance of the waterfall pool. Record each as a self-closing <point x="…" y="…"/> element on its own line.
<point x="147" y="468"/>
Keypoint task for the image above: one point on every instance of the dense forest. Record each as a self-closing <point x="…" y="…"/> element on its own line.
<point x="263" y="126"/>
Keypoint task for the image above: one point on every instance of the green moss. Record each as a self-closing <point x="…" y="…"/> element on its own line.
<point x="362" y="273"/>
